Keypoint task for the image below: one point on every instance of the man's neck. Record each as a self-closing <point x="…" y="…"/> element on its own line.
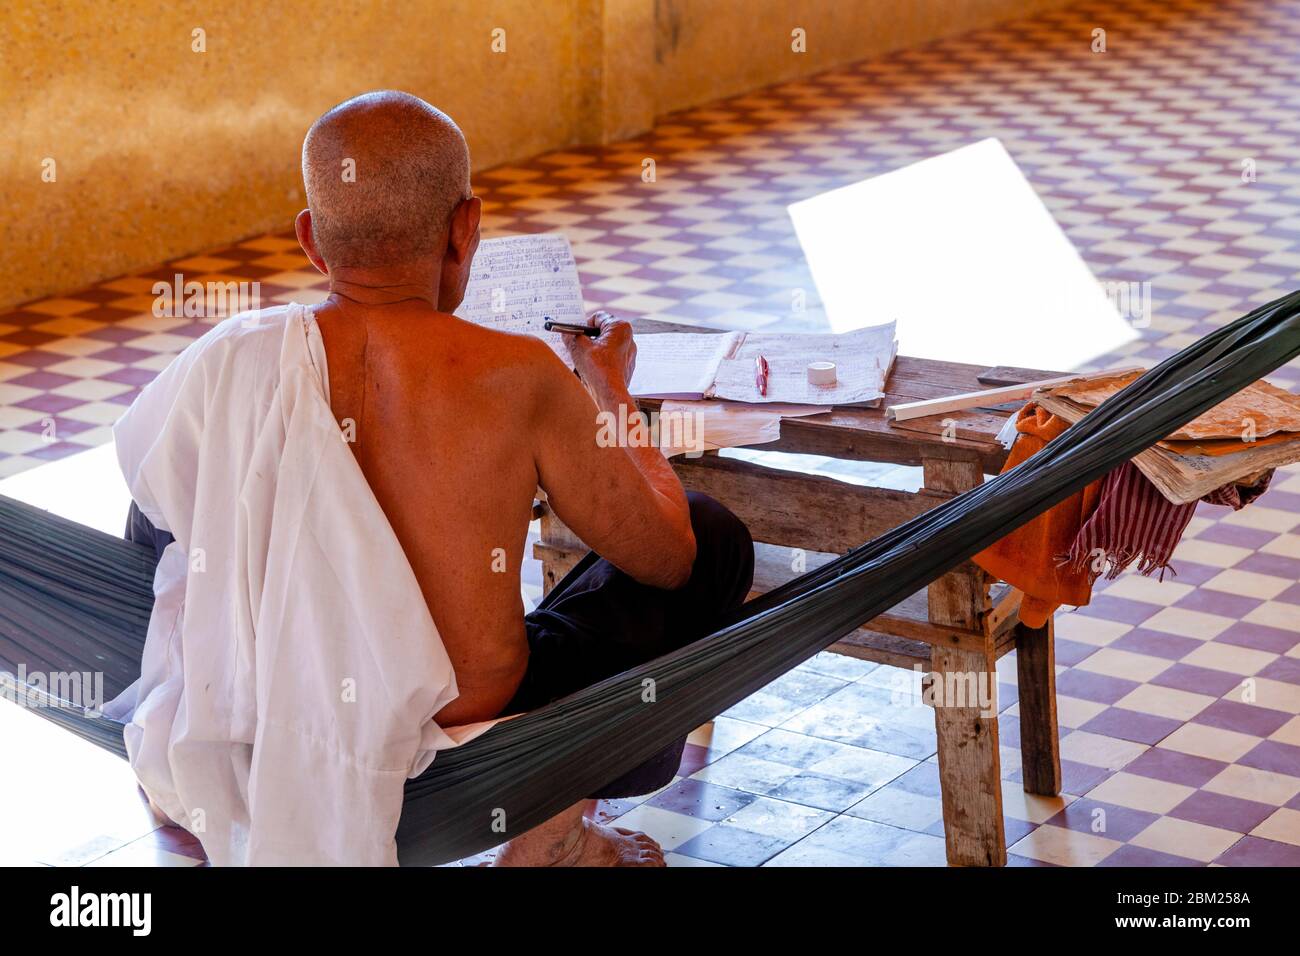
<point x="379" y="287"/>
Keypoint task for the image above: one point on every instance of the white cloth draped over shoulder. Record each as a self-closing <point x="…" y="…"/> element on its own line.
<point x="292" y="668"/>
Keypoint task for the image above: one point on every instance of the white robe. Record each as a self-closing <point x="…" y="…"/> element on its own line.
<point x="292" y="668"/>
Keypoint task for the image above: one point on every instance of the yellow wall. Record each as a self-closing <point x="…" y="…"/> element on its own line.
<point x="708" y="49"/>
<point x="162" y="151"/>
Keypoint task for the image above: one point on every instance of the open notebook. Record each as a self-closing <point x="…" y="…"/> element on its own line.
<point x="518" y="282"/>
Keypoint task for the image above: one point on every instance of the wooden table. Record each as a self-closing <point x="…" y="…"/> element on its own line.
<point x="960" y="625"/>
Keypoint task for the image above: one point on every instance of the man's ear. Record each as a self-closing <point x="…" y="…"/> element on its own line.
<point x="302" y="227"/>
<point x="464" y="229"/>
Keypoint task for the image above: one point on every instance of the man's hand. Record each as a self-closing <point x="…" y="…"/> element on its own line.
<point x="608" y="359"/>
<point x="621" y="498"/>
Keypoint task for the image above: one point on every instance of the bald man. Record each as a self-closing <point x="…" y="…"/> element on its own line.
<point x="456" y="426"/>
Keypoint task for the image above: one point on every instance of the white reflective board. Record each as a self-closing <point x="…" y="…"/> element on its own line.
<point x="961" y="252"/>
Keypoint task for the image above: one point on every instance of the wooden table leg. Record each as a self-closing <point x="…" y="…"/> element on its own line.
<point x="1040" y="745"/>
<point x="969" y="766"/>
<point x="965" y="713"/>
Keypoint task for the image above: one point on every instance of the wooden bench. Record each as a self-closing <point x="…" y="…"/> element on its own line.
<point x="960" y="625"/>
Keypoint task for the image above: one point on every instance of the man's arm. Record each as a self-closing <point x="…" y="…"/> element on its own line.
<point x="625" y="502"/>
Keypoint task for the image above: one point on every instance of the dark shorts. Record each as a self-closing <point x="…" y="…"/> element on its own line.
<point x="598" y="622"/>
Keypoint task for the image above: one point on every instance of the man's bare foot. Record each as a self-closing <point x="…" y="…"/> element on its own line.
<point x="603" y="845"/>
<point x="572" y="839"/>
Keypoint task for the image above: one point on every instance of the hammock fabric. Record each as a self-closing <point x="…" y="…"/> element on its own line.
<point x="73" y="599"/>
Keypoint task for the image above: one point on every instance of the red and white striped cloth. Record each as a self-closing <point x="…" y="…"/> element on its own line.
<point x="1133" y="521"/>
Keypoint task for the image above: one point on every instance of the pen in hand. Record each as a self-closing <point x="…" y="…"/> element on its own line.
<point x="569" y="328"/>
<point x="761" y="371"/>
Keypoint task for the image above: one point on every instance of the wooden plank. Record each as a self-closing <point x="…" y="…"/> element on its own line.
<point x="968" y="593"/>
<point x="951" y="476"/>
<point x="1040" y="746"/>
<point x="982" y="398"/>
<point x="959" y="598"/>
<point x="965" y="713"/>
<point x="1005" y="606"/>
<point x="891" y="650"/>
<point x="909" y="618"/>
<point x="1004" y="641"/>
<point x="856" y="434"/>
<point x="812" y="512"/>
<point x="555" y="532"/>
<point x="913" y="372"/>
<point x="986" y="397"/>
<point x="887" y="639"/>
<point x="556" y="563"/>
<point x="831" y="436"/>
<point x="969" y="425"/>
<point x="1011" y="375"/>
<point x="969" y="771"/>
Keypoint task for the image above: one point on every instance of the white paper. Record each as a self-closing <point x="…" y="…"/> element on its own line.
<point x="961" y="252"/>
<point x="517" y="282"/>
<point x="689" y="427"/>
<point x="862" y="362"/>
<point x="679" y="364"/>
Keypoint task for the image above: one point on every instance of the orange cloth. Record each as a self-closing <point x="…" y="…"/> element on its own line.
<point x="1027" y="558"/>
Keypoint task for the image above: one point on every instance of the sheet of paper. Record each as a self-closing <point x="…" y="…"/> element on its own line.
<point x="679" y="364"/>
<point x="862" y="362"/>
<point x="517" y="282"/>
<point x="961" y="252"/>
<point x="686" y="427"/>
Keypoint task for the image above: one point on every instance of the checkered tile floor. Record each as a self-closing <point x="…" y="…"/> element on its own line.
<point x="1179" y="700"/>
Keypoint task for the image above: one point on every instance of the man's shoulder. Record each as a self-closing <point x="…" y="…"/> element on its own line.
<point x="536" y="366"/>
<point x="533" y="351"/>
<point x="509" y="351"/>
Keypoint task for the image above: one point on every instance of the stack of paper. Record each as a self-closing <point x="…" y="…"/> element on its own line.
<point x="700" y="365"/>
<point x="695" y="427"/>
<point x="680" y="364"/>
<point x="1246" y="434"/>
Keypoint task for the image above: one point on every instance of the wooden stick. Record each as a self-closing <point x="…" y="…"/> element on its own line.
<point x="1040" y="743"/>
<point x="991" y="396"/>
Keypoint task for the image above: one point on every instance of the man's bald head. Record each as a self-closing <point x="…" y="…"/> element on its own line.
<point x="411" y="166"/>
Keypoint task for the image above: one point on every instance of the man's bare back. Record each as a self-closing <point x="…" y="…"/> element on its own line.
<point x="455" y="427"/>
<point x="439" y="407"/>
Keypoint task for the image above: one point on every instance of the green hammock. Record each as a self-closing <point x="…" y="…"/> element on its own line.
<point x="73" y="599"/>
